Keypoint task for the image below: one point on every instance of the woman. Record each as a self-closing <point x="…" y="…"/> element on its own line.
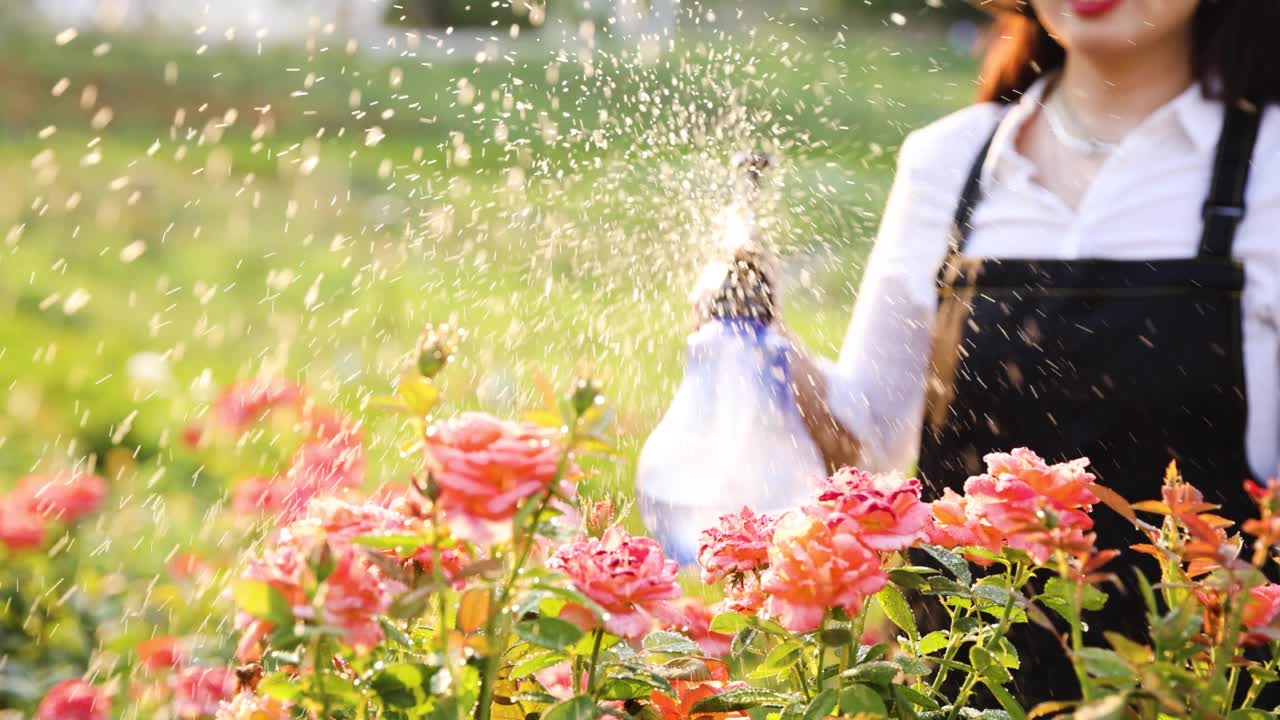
<point x="1086" y="263"/>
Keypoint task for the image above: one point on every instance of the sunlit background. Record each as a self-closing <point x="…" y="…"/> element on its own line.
<point x="194" y="193"/>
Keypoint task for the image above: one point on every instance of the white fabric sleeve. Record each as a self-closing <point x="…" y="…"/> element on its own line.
<point x="876" y="387"/>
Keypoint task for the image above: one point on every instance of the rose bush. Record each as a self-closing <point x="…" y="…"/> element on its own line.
<point x="476" y="589"/>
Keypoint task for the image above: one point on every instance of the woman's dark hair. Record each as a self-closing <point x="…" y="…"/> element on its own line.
<point x="1234" y="52"/>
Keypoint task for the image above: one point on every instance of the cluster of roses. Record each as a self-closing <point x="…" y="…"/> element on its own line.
<point x="39" y="501"/>
<point x="195" y="692"/>
<point x="832" y="551"/>
<point x="330" y="456"/>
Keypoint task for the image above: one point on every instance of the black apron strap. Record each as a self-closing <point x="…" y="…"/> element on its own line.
<point x="970" y="195"/>
<point x="1224" y="205"/>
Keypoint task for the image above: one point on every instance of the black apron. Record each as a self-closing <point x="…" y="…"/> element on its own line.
<point x="1129" y="363"/>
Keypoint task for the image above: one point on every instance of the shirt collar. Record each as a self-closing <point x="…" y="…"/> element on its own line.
<point x="1198" y="118"/>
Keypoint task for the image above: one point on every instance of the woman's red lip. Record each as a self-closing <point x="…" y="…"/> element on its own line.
<point x="1092" y="8"/>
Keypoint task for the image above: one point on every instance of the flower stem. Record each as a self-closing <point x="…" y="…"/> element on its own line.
<point x="966" y="689"/>
<point x="822" y="646"/>
<point x="318" y="669"/>
<point x="1256" y="686"/>
<point x="498" y="641"/>
<point x="595" y="660"/>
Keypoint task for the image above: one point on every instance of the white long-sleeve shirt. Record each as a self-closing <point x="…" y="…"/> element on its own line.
<point x="1144" y="203"/>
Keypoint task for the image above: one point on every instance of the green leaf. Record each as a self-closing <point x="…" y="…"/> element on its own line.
<point x="729" y="623"/>
<point x="836" y="637"/>
<point x="821" y="705"/>
<point x="780" y="660"/>
<point x="953" y="562"/>
<point x="628" y="685"/>
<point x="576" y="708"/>
<point x="903" y="707"/>
<point x="531" y="665"/>
<point x="1006" y="700"/>
<point x="877" y="672"/>
<point x="858" y="698"/>
<point x="1059" y="596"/>
<point x="741" y="699"/>
<point x="1106" y="665"/>
<point x="742" y="641"/>
<point x="670" y="643"/>
<point x="898" y="611"/>
<point x="912" y="666"/>
<point x="402" y="545"/>
<point x="263" y="601"/>
<point x="403" y="685"/>
<point x="548" y="632"/>
<point x="867" y="653"/>
<point x="907" y="579"/>
<point x="932" y="642"/>
<point x="988" y="666"/>
<point x="915" y="698"/>
<point x="279" y="685"/>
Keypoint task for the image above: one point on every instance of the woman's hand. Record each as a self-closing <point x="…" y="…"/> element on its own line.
<point x="838" y="446"/>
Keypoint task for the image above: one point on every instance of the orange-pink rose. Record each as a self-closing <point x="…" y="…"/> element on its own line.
<point x="885" y="508"/>
<point x="816" y="565"/>
<point x="162" y="653"/>
<point x="1033" y="506"/>
<point x="484" y="467"/>
<point x="738" y="543"/>
<point x="627" y="576"/>
<point x="74" y="700"/>
<point x="199" y="691"/>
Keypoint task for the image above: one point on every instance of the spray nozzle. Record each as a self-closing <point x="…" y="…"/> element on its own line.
<point x="740" y="281"/>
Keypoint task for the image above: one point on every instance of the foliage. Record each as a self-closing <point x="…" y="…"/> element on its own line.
<point x="484" y="588"/>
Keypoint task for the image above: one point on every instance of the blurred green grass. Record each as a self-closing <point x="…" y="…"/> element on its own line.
<point x="554" y="206"/>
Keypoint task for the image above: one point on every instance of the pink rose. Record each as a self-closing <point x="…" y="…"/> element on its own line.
<point x="74" y="700"/>
<point x="1260" y="612"/>
<point x="627" y="576"/>
<point x="816" y="565"/>
<point x="240" y="405"/>
<point x="692" y="618"/>
<point x="355" y="594"/>
<point x="484" y="467"/>
<point x="738" y="543"/>
<point x="20" y="529"/>
<point x="885" y="508"/>
<point x="66" y="496"/>
<point x="198" y="692"/>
